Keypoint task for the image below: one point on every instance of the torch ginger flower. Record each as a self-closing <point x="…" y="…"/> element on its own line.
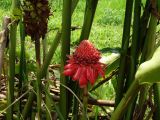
<point x="84" y="65"/>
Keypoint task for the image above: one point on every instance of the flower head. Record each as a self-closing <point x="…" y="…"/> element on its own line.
<point x="36" y="15"/>
<point x="84" y="65"/>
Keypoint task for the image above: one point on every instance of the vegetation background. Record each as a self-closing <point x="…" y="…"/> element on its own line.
<point x="106" y="34"/>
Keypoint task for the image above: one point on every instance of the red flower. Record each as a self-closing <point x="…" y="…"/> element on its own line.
<point x="84" y="65"/>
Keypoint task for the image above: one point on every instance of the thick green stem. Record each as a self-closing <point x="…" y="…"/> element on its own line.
<point x="65" y="50"/>
<point x="143" y="44"/>
<point x="85" y="102"/>
<point x="135" y="38"/>
<point x="74" y="4"/>
<point x="144" y="24"/>
<point x="39" y="93"/>
<point x="50" y="54"/>
<point x="125" y="44"/>
<point x="12" y="52"/>
<point x="156" y="87"/>
<point x="127" y="99"/>
<point x="88" y="18"/>
<point x="148" y="72"/>
<point x="149" y="46"/>
<point x="156" y="90"/>
<point x="47" y="85"/>
<point x="42" y="72"/>
<point x="134" y="55"/>
<point x="147" y="53"/>
<point x="22" y="70"/>
<point x="28" y="105"/>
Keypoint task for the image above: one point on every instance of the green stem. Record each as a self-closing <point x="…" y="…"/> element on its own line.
<point x="12" y="52"/>
<point x="149" y="46"/>
<point x="74" y="4"/>
<point x="148" y="72"/>
<point x="50" y="54"/>
<point x="85" y="101"/>
<point x="134" y="55"/>
<point x="147" y="53"/>
<point x="75" y="103"/>
<point x="156" y="87"/>
<point x="22" y="71"/>
<point x="42" y="72"/>
<point x="144" y="24"/>
<point x="54" y="104"/>
<point x="126" y="100"/>
<point x="28" y="105"/>
<point x="156" y="91"/>
<point x="47" y="85"/>
<point x="125" y="44"/>
<point x="135" y="38"/>
<point x="88" y="18"/>
<point x="39" y="94"/>
<point x="65" y="50"/>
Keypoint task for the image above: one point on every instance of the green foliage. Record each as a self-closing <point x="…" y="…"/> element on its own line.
<point x="112" y="17"/>
<point x="5" y="4"/>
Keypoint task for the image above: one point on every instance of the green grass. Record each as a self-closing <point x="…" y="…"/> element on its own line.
<point x="107" y="27"/>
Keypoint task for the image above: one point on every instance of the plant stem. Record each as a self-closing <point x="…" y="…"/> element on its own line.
<point x="42" y="72"/>
<point x="47" y="85"/>
<point x="12" y="56"/>
<point x="50" y="54"/>
<point x="144" y="24"/>
<point x="66" y="25"/>
<point x="156" y="86"/>
<point x="12" y="52"/>
<point x="148" y="49"/>
<point x="74" y="4"/>
<point x="156" y="91"/>
<point x="22" y="69"/>
<point x="39" y="93"/>
<point x="124" y="47"/>
<point x="88" y="18"/>
<point x="85" y="101"/>
<point x="134" y="55"/>
<point x="37" y="49"/>
<point x="126" y="100"/>
<point x="149" y="46"/>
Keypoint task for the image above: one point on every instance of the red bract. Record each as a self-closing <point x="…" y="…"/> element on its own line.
<point x="84" y="65"/>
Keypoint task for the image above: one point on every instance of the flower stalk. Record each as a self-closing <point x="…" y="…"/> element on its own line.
<point x="133" y="54"/>
<point x="85" y="102"/>
<point x="124" y="46"/>
<point x="12" y="56"/>
<point x="65" y="50"/>
<point x="90" y="10"/>
<point x="12" y="51"/>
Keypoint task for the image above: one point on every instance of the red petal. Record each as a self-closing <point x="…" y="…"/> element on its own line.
<point x="95" y="74"/>
<point x="90" y="75"/>
<point x="68" y="72"/>
<point x="68" y="66"/>
<point x="83" y="80"/>
<point x="100" y="70"/>
<point x="77" y="73"/>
